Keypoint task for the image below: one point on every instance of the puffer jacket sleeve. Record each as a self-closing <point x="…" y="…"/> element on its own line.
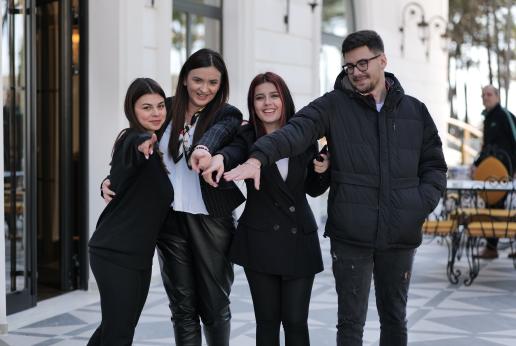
<point x="302" y="130"/>
<point x="432" y="166"/>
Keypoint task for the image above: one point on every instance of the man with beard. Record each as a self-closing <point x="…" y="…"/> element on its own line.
<point x="388" y="173"/>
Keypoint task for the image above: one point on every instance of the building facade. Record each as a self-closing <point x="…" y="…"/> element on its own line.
<point x="65" y="67"/>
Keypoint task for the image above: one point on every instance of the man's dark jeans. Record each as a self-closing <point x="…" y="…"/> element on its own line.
<point x="353" y="267"/>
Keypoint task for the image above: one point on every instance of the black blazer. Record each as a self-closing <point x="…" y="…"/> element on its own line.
<point x="277" y="232"/>
<point x="221" y="201"/>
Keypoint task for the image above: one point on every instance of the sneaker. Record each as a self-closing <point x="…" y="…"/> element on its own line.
<point x="488" y="253"/>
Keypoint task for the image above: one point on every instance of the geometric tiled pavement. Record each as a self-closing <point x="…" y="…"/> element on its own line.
<point x="439" y="313"/>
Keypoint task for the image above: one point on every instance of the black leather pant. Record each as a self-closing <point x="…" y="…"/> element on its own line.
<point x="197" y="275"/>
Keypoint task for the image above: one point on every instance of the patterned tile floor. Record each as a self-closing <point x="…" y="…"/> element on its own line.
<point x="439" y="313"/>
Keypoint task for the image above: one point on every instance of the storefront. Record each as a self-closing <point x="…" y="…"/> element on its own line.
<point x="44" y="105"/>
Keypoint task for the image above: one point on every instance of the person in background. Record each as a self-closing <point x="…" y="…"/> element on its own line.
<point x="499" y="140"/>
<point x="388" y="173"/>
<point x="276" y="239"/>
<point x="122" y="246"/>
<point x="193" y="245"/>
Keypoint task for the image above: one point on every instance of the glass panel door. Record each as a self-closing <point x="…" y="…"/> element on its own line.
<point x="16" y="107"/>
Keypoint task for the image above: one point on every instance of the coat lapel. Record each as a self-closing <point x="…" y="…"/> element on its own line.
<point x="288" y="186"/>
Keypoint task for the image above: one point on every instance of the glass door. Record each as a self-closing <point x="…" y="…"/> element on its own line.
<point x="18" y="205"/>
<point x="44" y="166"/>
<point x="60" y="245"/>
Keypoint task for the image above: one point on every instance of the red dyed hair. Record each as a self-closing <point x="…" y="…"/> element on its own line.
<point x="284" y="94"/>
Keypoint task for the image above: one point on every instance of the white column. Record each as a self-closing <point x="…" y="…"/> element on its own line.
<point x="238" y="32"/>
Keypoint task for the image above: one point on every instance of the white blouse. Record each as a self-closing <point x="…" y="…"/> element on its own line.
<point x="187" y="188"/>
<point x="283" y="168"/>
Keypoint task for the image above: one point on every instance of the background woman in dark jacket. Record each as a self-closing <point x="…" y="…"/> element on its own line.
<point x="122" y="246"/>
<point x="276" y="240"/>
<point x="194" y="242"/>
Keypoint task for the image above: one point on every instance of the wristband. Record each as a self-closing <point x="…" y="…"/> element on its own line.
<point x="202" y="147"/>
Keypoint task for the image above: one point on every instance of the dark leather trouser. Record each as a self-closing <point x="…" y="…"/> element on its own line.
<point x="197" y="275"/>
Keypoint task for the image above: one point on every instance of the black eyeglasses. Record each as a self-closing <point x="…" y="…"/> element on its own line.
<point x="361" y="65"/>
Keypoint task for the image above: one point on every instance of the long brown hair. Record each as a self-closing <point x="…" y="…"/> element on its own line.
<point x="138" y="88"/>
<point x="202" y="58"/>
<point x="288" y="109"/>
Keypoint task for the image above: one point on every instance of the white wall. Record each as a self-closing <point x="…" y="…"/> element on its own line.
<point x="256" y="40"/>
<point x="425" y="79"/>
<point x="127" y="39"/>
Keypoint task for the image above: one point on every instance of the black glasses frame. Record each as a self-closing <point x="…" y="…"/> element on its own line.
<point x="362" y="65"/>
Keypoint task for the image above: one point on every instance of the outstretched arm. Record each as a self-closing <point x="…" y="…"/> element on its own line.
<point x="303" y="129"/>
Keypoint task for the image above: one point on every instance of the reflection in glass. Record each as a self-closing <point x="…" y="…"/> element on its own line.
<point x="334" y="17"/>
<point x="205" y="33"/>
<point x="14" y="117"/>
<point x="178" y="49"/>
<point x="48" y="141"/>
<point x="215" y="3"/>
<point x="334" y="27"/>
<point x="330" y="66"/>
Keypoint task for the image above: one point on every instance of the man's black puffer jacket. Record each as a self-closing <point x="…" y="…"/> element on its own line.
<point x="388" y="168"/>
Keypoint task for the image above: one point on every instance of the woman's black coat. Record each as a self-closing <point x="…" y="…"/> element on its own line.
<point x="277" y="232"/>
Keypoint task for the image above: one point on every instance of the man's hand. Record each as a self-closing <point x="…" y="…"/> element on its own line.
<point x="147" y="147"/>
<point x="322" y="166"/>
<point x="216" y="166"/>
<point x="106" y="192"/>
<point x="248" y="170"/>
<point x="200" y="159"/>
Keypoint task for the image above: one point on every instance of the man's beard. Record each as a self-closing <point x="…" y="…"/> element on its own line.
<point x="368" y="88"/>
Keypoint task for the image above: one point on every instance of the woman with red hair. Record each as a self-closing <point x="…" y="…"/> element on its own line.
<point x="276" y="239"/>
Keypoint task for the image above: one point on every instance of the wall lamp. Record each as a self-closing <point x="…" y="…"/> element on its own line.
<point x="426" y="28"/>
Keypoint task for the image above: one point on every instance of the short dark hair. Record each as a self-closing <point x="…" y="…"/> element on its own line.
<point x="286" y="99"/>
<point x="357" y="39"/>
